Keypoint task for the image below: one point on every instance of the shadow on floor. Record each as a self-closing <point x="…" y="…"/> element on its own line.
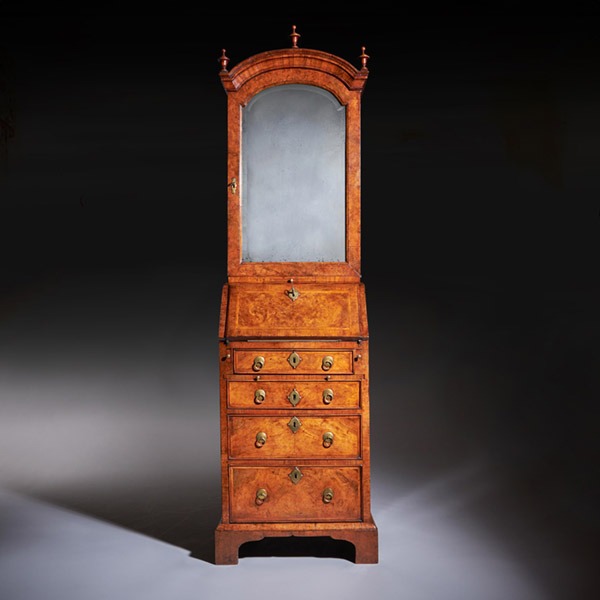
<point x="318" y="547"/>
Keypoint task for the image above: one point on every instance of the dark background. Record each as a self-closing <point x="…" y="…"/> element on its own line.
<point x="478" y="135"/>
<point x="480" y="198"/>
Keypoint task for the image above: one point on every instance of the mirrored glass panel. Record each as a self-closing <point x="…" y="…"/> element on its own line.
<point x="293" y="176"/>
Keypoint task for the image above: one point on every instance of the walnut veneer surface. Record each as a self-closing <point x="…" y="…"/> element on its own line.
<point x="295" y="418"/>
<point x="294" y="351"/>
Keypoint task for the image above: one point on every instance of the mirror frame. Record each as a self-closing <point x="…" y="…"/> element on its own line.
<point x="242" y="83"/>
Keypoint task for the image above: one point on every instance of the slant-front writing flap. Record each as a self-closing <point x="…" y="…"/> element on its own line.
<point x="296" y="310"/>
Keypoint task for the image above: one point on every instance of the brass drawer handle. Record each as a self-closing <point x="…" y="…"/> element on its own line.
<point x="259" y="396"/>
<point x="327" y="495"/>
<point x="327" y="363"/>
<point x="259" y="363"/>
<point x="261" y="439"/>
<point x="327" y="396"/>
<point x="327" y="439"/>
<point x="261" y="496"/>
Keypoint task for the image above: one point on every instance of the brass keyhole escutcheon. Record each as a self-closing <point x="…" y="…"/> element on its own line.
<point x="259" y="396"/>
<point x="261" y="496"/>
<point x="294" y="359"/>
<point x="292" y="293"/>
<point x="327" y="439"/>
<point x="294" y="397"/>
<point x="295" y="475"/>
<point x="327" y="363"/>
<point x="259" y="363"/>
<point x="327" y="396"/>
<point x="327" y="495"/>
<point x="294" y="424"/>
<point x="261" y="439"/>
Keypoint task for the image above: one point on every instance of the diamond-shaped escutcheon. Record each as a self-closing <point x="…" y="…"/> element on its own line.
<point x="294" y="424"/>
<point x="294" y="397"/>
<point x="295" y="475"/>
<point x="294" y="359"/>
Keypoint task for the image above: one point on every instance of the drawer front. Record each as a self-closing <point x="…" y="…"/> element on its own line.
<point x="294" y="394"/>
<point x="334" y="362"/>
<point x="294" y="437"/>
<point x="261" y="494"/>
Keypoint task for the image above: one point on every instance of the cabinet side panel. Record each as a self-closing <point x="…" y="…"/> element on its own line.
<point x="224" y="371"/>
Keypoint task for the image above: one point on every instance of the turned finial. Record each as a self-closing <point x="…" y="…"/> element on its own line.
<point x="224" y="61"/>
<point x="363" y="58"/>
<point x="294" y="37"/>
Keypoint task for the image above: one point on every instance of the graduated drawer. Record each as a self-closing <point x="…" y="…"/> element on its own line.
<point x="294" y="394"/>
<point x="294" y="437"/>
<point x="260" y="494"/>
<point x="303" y="362"/>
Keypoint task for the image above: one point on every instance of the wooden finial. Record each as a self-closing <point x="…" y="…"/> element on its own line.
<point x="224" y="61"/>
<point x="294" y="37"/>
<point x="363" y="58"/>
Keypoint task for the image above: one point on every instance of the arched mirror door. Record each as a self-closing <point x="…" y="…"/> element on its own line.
<point x="293" y="193"/>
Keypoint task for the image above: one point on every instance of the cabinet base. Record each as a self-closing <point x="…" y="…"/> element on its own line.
<point x="364" y="537"/>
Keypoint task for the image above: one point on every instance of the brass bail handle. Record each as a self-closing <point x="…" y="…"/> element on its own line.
<point x="327" y="439"/>
<point x="261" y="496"/>
<point x="327" y="495"/>
<point x="261" y="439"/>
<point x="327" y="363"/>
<point x="259" y="396"/>
<point x="233" y="185"/>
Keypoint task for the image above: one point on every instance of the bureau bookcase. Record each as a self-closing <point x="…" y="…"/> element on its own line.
<point x="293" y="331"/>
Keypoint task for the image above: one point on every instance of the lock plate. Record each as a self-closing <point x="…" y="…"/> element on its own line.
<point x="294" y="359"/>
<point x="294" y="397"/>
<point x="292" y="294"/>
<point x="295" y="475"/>
<point x="294" y="424"/>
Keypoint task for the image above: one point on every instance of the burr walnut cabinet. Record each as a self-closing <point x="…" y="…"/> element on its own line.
<point x="293" y="332"/>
